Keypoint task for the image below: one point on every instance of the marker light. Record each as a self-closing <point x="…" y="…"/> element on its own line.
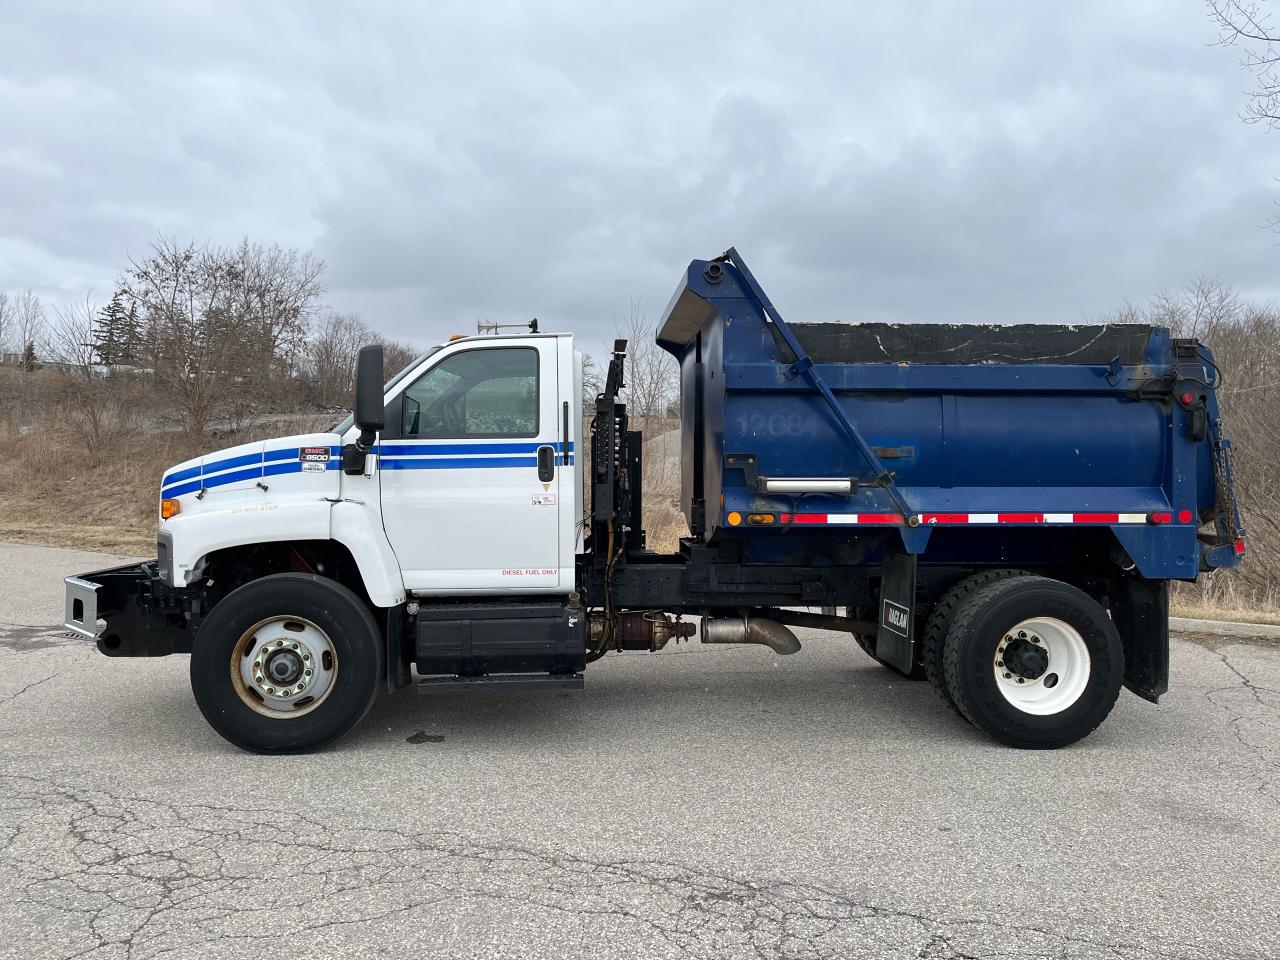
<point x="759" y="518"/>
<point x="734" y="518"/>
<point x="1158" y="518"/>
<point x="169" y="509"/>
<point x="1184" y="516"/>
<point x="1240" y="546"/>
<point x="1187" y="399"/>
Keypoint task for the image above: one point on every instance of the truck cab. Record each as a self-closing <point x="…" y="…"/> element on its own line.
<point x="471" y="487"/>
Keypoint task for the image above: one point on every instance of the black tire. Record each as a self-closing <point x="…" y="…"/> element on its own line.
<point x="935" y="628"/>
<point x="868" y="645"/>
<point x="350" y="630"/>
<point x="977" y="631"/>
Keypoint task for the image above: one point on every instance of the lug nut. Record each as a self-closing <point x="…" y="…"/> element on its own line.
<point x="1008" y="676"/>
<point x="1020" y="680"/>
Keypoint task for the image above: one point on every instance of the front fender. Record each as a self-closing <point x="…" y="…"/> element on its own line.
<point x="196" y="535"/>
<point x="357" y="526"/>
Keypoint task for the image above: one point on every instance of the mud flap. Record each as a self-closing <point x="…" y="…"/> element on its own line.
<point x="896" y="641"/>
<point x="1140" y="611"/>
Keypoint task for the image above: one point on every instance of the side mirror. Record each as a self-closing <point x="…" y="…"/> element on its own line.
<point x="369" y="413"/>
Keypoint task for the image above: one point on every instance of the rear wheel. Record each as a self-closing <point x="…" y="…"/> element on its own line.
<point x="286" y="664"/>
<point x="1034" y="662"/>
<point x="935" y="629"/>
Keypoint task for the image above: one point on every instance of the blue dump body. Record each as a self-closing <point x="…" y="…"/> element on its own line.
<point x="1029" y="444"/>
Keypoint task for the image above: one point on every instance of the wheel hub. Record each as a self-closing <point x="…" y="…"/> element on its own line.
<point x="1025" y="658"/>
<point x="284" y="666"/>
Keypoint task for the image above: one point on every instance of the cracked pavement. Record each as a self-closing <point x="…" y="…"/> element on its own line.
<point x="729" y="805"/>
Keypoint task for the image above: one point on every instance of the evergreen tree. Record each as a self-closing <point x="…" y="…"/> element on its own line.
<point x="28" y="363"/>
<point x="113" y="341"/>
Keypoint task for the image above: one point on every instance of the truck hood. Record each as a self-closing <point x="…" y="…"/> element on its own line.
<point x="305" y="464"/>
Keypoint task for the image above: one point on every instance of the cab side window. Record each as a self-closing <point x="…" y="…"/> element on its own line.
<point x="486" y="392"/>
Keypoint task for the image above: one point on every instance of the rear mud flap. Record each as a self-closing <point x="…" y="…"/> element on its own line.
<point x="1140" y="611"/>
<point x="896" y="641"/>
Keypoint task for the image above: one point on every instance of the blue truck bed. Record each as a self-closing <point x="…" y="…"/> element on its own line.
<point x="962" y="438"/>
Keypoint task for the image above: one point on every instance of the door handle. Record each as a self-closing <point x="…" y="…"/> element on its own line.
<point x="546" y="463"/>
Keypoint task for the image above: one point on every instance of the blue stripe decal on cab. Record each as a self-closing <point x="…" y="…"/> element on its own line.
<point x="394" y="456"/>
<point x="254" y="473"/>
<point x="456" y="463"/>
<point x="275" y="469"/>
<point x="179" y="475"/>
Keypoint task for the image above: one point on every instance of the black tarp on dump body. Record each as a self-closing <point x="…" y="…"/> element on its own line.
<point x="972" y="343"/>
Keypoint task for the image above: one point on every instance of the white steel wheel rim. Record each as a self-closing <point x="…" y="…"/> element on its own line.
<point x="283" y="667"/>
<point x="1062" y="680"/>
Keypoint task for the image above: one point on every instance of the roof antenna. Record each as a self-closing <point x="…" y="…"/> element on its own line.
<point x="494" y="328"/>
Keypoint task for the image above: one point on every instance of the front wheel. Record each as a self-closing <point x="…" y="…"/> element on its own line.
<point x="287" y="663"/>
<point x="1034" y="662"/>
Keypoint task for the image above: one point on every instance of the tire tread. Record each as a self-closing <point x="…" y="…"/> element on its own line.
<point x="935" y="631"/>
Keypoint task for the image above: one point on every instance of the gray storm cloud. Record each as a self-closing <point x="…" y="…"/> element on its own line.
<point x="931" y="162"/>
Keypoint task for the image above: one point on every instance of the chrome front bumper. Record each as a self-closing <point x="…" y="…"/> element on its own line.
<point x="81" y="615"/>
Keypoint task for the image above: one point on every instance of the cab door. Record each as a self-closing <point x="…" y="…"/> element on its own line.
<point x="470" y="464"/>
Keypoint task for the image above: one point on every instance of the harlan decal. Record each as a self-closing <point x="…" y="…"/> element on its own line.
<point x="894" y="617"/>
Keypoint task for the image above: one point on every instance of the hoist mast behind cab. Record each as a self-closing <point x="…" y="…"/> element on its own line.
<point x="996" y="509"/>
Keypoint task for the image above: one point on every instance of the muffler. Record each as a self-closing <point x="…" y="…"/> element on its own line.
<point x="750" y="630"/>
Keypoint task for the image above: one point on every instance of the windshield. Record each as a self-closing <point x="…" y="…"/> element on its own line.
<point x="345" y="424"/>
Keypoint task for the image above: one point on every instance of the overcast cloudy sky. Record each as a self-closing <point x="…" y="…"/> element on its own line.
<point x="924" y="161"/>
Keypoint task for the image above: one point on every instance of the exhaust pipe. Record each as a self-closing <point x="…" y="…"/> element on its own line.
<point x="751" y="630"/>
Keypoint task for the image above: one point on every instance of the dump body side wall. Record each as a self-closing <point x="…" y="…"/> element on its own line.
<point x="983" y="444"/>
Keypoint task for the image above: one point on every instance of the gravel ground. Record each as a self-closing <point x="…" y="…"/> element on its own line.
<point x="697" y="803"/>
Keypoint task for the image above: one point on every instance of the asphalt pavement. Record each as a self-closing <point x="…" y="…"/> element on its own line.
<point x="716" y="802"/>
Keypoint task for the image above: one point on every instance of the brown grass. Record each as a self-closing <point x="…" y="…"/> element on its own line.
<point x="52" y="492"/>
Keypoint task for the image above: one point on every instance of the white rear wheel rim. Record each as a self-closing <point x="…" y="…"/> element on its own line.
<point x="1061" y="682"/>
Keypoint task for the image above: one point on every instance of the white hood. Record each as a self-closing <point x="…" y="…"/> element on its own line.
<point x="306" y="464"/>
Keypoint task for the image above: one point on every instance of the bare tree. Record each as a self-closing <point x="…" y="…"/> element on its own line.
<point x="8" y="320"/>
<point x="98" y="408"/>
<point x="1246" y="24"/>
<point x="592" y="383"/>
<point x="396" y="354"/>
<point x="274" y="294"/>
<point x="29" y="326"/>
<point x="331" y="356"/>
<point x="651" y="374"/>
<point x="223" y="328"/>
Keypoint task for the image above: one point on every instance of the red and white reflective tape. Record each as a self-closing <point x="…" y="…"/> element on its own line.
<point x="1055" y="518"/>
<point x="960" y="519"/>
<point x="894" y="519"/>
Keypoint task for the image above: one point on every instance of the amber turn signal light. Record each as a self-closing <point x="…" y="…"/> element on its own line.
<point x="758" y="518"/>
<point x="169" y="509"/>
